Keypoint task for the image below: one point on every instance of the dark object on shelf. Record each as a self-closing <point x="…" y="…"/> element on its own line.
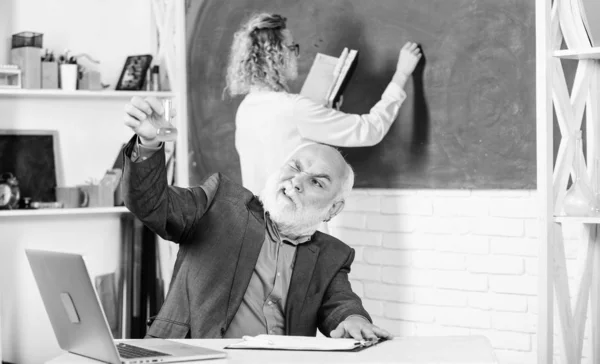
<point x="25" y="203"/>
<point x="34" y="157"/>
<point x="155" y="78"/>
<point x="27" y="39"/>
<point x="134" y="72"/>
<point x="10" y="193"/>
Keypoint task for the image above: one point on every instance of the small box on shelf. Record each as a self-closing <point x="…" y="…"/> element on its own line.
<point x="27" y="39"/>
<point x="50" y="75"/>
<point x="10" y="77"/>
<point x="25" y="53"/>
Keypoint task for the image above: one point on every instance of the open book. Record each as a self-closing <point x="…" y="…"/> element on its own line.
<point x="326" y="77"/>
<point x="303" y="343"/>
<point x="590" y="14"/>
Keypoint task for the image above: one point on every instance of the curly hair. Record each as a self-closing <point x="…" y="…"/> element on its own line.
<point x="258" y="55"/>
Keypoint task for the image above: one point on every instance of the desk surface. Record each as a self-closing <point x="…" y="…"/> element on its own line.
<point x="413" y="350"/>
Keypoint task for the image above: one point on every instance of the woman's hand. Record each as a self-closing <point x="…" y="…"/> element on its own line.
<point x="410" y="55"/>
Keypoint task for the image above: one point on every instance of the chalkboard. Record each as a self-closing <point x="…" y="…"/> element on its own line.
<point x="468" y="121"/>
<point x="33" y="157"/>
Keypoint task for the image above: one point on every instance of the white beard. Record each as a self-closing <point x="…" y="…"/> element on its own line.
<point x="292" y="220"/>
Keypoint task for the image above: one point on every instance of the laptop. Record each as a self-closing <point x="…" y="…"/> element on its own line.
<point x="79" y="322"/>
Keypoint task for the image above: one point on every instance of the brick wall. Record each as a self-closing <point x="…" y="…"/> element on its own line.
<point x="450" y="263"/>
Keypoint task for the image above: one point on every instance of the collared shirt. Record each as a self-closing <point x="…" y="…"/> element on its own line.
<point x="262" y="310"/>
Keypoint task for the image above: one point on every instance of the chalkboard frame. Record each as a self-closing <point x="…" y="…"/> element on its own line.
<point x="56" y="155"/>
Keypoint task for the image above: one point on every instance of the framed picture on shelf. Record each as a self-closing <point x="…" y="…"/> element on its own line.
<point x="134" y="72"/>
<point x="33" y="157"/>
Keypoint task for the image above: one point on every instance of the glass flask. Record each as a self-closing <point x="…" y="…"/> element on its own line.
<point x="579" y="200"/>
<point x="165" y="131"/>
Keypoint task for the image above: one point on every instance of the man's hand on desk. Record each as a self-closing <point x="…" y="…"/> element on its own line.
<point x="360" y="329"/>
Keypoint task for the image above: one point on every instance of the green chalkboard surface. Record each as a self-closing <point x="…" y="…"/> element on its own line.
<point x="468" y="121"/>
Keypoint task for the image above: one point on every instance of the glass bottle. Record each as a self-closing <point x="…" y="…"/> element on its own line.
<point x="165" y="131"/>
<point x="579" y="200"/>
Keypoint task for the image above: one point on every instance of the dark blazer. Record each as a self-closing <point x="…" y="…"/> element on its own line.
<point x="219" y="244"/>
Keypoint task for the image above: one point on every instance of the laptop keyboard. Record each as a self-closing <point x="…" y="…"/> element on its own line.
<point x="130" y="352"/>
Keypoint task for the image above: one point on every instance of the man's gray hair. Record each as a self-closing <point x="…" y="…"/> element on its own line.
<point x="347" y="183"/>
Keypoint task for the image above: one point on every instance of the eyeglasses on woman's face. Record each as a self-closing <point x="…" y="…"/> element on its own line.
<point x="295" y="48"/>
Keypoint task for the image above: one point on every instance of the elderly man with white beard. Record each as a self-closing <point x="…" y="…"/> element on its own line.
<point x="248" y="265"/>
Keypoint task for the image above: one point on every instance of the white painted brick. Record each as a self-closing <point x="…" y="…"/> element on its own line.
<point x="514" y="207"/>
<point x="440" y="297"/>
<point x="408" y="312"/>
<point x="395" y="327"/>
<point x="436" y="260"/>
<point x="531" y="266"/>
<point x="532" y="228"/>
<point x="387" y="257"/>
<point x="457" y="206"/>
<point x="407" y="276"/>
<point x="502" y="193"/>
<point x="363" y="202"/>
<point x="388" y="292"/>
<point x="407" y="205"/>
<point x="508" y="302"/>
<point x="353" y="220"/>
<point x="439" y="330"/>
<point x="445" y="193"/>
<point x="392" y="223"/>
<point x="514" y="246"/>
<point x="358" y="237"/>
<point x="411" y="241"/>
<point x="463" y="317"/>
<point x="511" y="321"/>
<point x="358" y="254"/>
<point x="495" y="264"/>
<point x="373" y="307"/>
<point x="365" y="272"/>
<point x="506" y="340"/>
<point x="532" y="305"/>
<point x="444" y="225"/>
<point x="357" y="287"/>
<point x="498" y="302"/>
<point x="514" y="284"/>
<point x="470" y="244"/>
<point x="461" y="280"/>
<point x="515" y="357"/>
<point x="497" y="226"/>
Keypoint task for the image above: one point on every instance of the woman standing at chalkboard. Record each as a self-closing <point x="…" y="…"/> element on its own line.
<point x="271" y="122"/>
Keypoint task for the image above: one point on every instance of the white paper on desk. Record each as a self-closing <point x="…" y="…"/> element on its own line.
<point x="280" y="342"/>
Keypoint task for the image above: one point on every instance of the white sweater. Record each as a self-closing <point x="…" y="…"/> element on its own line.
<point x="271" y="125"/>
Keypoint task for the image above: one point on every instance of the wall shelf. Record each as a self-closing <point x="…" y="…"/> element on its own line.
<point x="577" y="219"/>
<point x="583" y="53"/>
<point x="109" y="94"/>
<point x="69" y="212"/>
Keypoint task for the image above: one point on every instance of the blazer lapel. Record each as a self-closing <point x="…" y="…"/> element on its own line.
<point x="306" y="259"/>
<point x="246" y="261"/>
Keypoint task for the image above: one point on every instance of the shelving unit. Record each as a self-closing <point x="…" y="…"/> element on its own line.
<point x="96" y="232"/>
<point x="82" y="93"/>
<point x="558" y="21"/>
<point x="583" y="53"/>
<point x="69" y="212"/>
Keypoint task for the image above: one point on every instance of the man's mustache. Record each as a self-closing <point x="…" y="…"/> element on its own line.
<point x="290" y="192"/>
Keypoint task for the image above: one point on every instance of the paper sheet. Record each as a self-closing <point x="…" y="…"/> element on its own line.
<point x="280" y="342"/>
